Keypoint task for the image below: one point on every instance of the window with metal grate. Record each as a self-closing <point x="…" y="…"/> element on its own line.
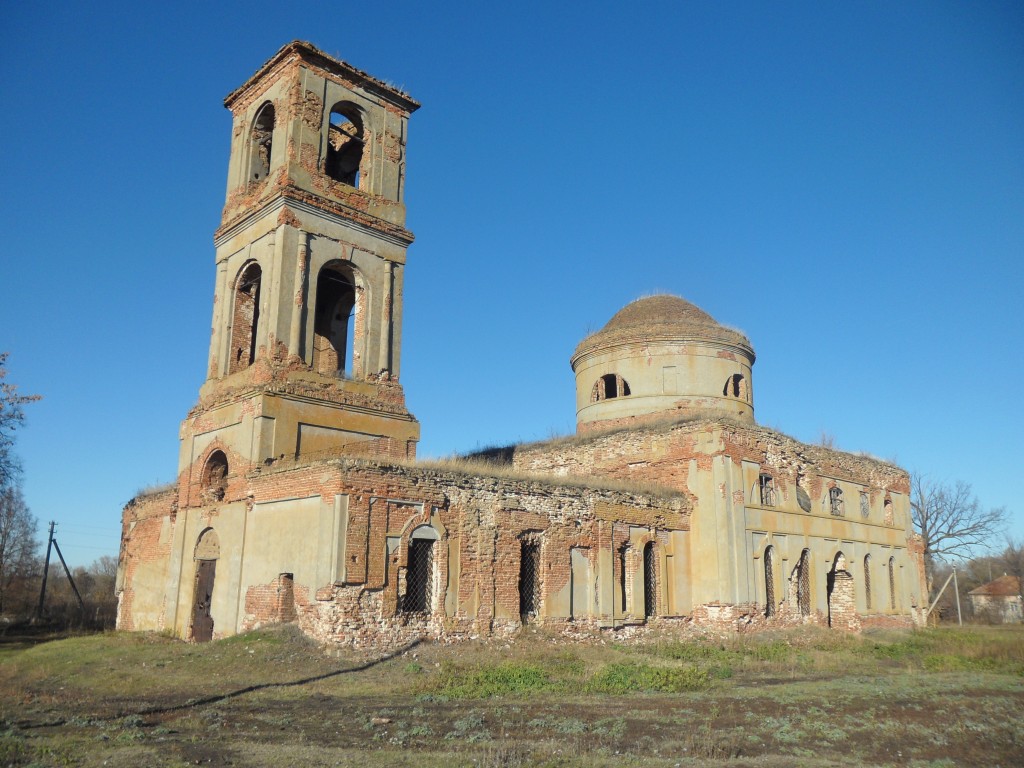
<point x="418" y="576"/>
<point x="529" y="580"/>
<point x="650" y="581"/>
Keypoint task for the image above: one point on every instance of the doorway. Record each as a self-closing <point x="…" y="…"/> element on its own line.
<point x="202" y="621"/>
<point x="206" y="555"/>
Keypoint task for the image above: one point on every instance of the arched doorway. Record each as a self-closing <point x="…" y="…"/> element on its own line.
<point x="207" y="553"/>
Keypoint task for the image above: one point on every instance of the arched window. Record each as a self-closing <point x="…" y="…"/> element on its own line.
<point x="769" y="582"/>
<point x="418" y="573"/>
<point x="887" y="512"/>
<point x="345" y="144"/>
<point x="801" y="583"/>
<point x="261" y="140"/>
<point x="867" y="582"/>
<point x="736" y="386"/>
<point x="865" y="505"/>
<point x="650" y="581"/>
<point x="245" y="318"/>
<point x="214" y="480"/>
<point x="608" y="386"/>
<point x="334" y="321"/>
<point x="892" y="583"/>
<point x="529" y="576"/>
<point x="835" y="501"/>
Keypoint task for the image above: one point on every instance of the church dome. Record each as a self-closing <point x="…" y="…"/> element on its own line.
<point x="660" y="357"/>
<point x="662" y="317"/>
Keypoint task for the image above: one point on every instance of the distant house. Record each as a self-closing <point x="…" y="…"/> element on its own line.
<point x="998" y="600"/>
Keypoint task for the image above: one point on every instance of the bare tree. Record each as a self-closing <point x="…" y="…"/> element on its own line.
<point x="11" y="417"/>
<point x="18" y="548"/>
<point x="951" y="521"/>
<point x="1012" y="559"/>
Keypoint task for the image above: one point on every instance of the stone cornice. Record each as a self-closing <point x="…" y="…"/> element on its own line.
<point x="333" y="212"/>
<point x="310" y="53"/>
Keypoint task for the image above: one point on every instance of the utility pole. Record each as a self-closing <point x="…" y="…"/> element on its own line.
<point x="60" y="554"/>
<point x="956" y="591"/>
<point x="46" y="571"/>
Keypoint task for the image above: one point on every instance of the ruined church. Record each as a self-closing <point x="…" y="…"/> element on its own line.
<point x="299" y="497"/>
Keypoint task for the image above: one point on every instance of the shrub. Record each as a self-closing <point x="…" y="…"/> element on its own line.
<point x="617" y="679"/>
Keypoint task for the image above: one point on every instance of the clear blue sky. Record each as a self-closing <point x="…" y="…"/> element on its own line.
<point x="842" y="181"/>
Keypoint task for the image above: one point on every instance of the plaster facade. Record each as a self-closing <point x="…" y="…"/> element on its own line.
<point x="299" y="498"/>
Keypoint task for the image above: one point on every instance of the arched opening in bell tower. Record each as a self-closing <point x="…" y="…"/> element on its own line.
<point x="245" y="318"/>
<point x="334" y="321"/>
<point x="344" y="144"/>
<point x="261" y="143"/>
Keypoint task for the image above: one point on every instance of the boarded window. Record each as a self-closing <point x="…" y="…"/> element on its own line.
<point x="419" y="576"/>
<point x="769" y="581"/>
<point x="865" y="506"/>
<point x="650" y="581"/>
<point x="345" y="144"/>
<point x="261" y="143"/>
<point x="245" y="318"/>
<point x="529" y="578"/>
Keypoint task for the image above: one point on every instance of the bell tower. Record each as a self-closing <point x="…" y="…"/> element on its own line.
<point x="305" y="346"/>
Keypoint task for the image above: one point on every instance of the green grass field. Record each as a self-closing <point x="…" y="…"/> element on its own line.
<point x="946" y="697"/>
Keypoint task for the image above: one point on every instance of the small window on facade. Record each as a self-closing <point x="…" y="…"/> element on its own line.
<point x="736" y="386"/>
<point x="418" y="576"/>
<point x="344" y="144"/>
<point x="835" y="502"/>
<point x="865" y="506"/>
<point x="245" y="318"/>
<point x="650" y="581"/>
<point x="887" y="512"/>
<point x="767" y="486"/>
<point x="215" y="474"/>
<point x="262" y="137"/>
<point x="867" y="582"/>
<point x="769" y="581"/>
<point x="529" y="578"/>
